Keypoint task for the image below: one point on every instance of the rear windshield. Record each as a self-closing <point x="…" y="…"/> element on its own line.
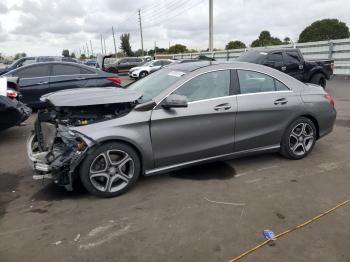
<point x="252" y="57"/>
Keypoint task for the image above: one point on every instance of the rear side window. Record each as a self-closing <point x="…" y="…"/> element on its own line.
<point x="254" y="82"/>
<point x="85" y="71"/>
<point x="33" y="71"/>
<point x="206" y="86"/>
<point x="58" y="70"/>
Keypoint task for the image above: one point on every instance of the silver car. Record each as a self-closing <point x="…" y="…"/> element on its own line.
<point x="182" y="115"/>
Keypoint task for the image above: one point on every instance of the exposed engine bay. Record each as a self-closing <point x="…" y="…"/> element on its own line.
<point x="84" y="115"/>
<point x="55" y="149"/>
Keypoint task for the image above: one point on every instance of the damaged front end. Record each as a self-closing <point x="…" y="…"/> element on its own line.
<point x="55" y="150"/>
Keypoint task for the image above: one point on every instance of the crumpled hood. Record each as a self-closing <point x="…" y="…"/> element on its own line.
<point x="91" y="96"/>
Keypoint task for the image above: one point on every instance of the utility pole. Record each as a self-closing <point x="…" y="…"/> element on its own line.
<point x="155" y="49"/>
<point x="104" y="43"/>
<point x="115" y="46"/>
<point x="101" y="45"/>
<point x="141" y="30"/>
<point x="87" y="48"/>
<point x="92" y="51"/>
<point x="84" y="50"/>
<point x="210" y="25"/>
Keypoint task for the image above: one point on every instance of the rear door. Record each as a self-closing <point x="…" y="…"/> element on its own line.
<point x="294" y="65"/>
<point x="265" y="108"/>
<point x="275" y="60"/>
<point x="66" y="76"/>
<point x="33" y="82"/>
<point x="203" y="129"/>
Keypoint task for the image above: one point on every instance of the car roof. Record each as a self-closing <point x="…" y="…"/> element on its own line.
<point x="189" y="67"/>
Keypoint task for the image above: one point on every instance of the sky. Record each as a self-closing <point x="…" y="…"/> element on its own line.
<point x="46" y="27"/>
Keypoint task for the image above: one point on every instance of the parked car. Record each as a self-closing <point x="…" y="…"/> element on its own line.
<point x="18" y="63"/>
<point x="123" y="65"/>
<point x="91" y="63"/>
<point x="148" y="68"/>
<point x="42" y="78"/>
<point x="38" y="59"/>
<point x="12" y="111"/>
<point x="182" y="115"/>
<point x="292" y="62"/>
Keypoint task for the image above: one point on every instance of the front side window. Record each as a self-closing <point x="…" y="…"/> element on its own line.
<point x="58" y="70"/>
<point x="33" y="71"/>
<point x="254" y="82"/>
<point x="275" y="57"/>
<point x="206" y="86"/>
<point x="292" y="58"/>
<point x="157" y="63"/>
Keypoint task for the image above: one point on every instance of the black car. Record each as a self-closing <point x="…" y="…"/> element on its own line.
<point x="12" y="111"/>
<point x="42" y="78"/>
<point x="18" y="63"/>
<point x="292" y="62"/>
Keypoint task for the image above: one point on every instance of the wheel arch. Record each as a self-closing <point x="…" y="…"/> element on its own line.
<point x="132" y="145"/>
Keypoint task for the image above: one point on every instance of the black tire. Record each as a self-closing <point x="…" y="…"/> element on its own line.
<point x="143" y="74"/>
<point x="319" y="79"/>
<point x="290" y="139"/>
<point x="98" y="184"/>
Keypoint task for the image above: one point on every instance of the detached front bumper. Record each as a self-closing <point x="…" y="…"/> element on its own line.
<point x="58" y="164"/>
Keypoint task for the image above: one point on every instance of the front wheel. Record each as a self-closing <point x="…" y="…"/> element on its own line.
<point x="299" y="139"/>
<point x="110" y="170"/>
<point x="143" y="74"/>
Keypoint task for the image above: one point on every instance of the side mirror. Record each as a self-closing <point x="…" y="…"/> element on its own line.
<point x="173" y="101"/>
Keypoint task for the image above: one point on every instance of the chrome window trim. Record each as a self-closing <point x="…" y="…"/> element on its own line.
<point x="58" y="76"/>
<point x="238" y="68"/>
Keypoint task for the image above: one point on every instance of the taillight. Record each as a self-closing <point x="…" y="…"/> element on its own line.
<point x="329" y="99"/>
<point x="11" y="93"/>
<point x="116" y="80"/>
<point x="332" y="66"/>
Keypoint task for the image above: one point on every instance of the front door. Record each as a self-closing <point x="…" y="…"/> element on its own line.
<point x="204" y="129"/>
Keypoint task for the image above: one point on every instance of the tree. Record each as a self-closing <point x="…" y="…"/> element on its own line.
<point x="159" y="50"/>
<point x="235" y="45"/>
<point x="82" y="56"/>
<point x="72" y="55"/>
<point x="65" y="52"/>
<point x="20" y="55"/>
<point x="125" y="44"/>
<point x="325" y="29"/>
<point x="178" y="48"/>
<point x="265" y="39"/>
<point x="287" y="40"/>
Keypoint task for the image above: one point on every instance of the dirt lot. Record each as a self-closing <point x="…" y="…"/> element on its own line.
<point x="173" y="217"/>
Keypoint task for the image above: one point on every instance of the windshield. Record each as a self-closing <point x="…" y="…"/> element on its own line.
<point x="252" y="57"/>
<point x="148" y="63"/>
<point x="155" y="83"/>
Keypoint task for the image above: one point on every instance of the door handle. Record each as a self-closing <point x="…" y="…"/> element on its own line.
<point x="43" y="83"/>
<point x="222" y="107"/>
<point x="284" y="68"/>
<point x="281" y="101"/>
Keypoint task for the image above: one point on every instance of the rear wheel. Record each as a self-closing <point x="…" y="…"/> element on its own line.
<point x="143" y="74"/>
<point x="110" y="170"/>
<point x="299" y="139"/>
<point x="319" y="79"/>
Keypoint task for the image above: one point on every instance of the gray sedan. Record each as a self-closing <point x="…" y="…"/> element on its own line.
<point x="182" y="115"/>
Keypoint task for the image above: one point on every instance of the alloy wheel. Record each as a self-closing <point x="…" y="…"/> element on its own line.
<point x="111" y="171"/>
<point x="301" y="139"/>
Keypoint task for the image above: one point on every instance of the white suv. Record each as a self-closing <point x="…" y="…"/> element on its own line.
<point x="147" y="68"/>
